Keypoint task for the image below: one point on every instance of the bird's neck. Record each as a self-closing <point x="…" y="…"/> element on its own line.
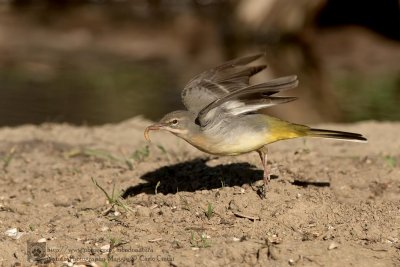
<point x="191" y="131"/>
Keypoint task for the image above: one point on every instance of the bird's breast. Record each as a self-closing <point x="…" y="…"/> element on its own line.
<point x="231" y="139"/>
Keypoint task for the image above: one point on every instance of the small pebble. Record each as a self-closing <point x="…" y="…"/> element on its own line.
<point x="105" y="249"/>
<point x="104" y="228"/>
<point x="246" y="186"/>
<point x="117" y="213"/>
<point x="333" y="245"/>
<point x="13" y="233"/>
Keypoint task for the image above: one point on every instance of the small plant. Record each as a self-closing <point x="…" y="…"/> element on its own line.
<point x="91" y="152"/>
<point x="114" y="200"/>
<point x="129" y="164"/>
<point x="390" y="161"/>
<point x="200" y="242"/>
<point x="7" y="158"/>
<point x="185" y="203"/>
<point x="305" y="149"/>
<point x="99" y="154"/>
<point x="140" y="154"/>
<point x="210" y="211"/>
<point x="156" y="188"/>
<point x="162" y="149"/>
<point x="222" y="180"/>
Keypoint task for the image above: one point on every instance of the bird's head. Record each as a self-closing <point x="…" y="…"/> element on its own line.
<point x="180" y="123"/>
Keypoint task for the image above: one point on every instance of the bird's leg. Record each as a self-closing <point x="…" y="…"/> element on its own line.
<point x="266" y="177"/>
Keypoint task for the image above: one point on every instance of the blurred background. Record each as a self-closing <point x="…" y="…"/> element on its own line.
<point x="101" y="61"/>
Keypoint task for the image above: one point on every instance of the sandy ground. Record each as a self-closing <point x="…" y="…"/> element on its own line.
<point x="330" y="203"/>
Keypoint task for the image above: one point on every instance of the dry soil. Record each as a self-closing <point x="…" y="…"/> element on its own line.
<point x="330" y="203"/>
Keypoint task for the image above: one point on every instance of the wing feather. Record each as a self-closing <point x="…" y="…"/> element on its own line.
<point x="225" y="89"/>
<point x="252" y="106"/>
<point x="219" y="81"/>
<point x="256" y="96"/>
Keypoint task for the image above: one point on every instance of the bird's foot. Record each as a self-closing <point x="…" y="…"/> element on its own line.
<point x="262" y="192"/>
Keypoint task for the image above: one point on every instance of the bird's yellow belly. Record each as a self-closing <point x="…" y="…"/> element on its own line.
<point x="231" y="145"/>
<point x="245" y="135"/>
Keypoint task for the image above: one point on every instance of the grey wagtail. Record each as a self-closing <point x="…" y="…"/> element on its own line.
<point x="223" y="119"/>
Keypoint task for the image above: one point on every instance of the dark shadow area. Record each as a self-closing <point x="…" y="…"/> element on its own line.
<point x="310" y="183"/>
<point x="195" y="175"/>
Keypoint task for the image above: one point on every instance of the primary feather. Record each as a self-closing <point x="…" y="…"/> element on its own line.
<point x="219" y="81"/>
<point x="226" y="89"/>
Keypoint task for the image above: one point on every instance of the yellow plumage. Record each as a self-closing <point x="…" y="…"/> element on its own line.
<point x="280" y="130"/>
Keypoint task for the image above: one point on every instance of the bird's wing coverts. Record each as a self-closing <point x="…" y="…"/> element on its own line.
<point x="249" y="99"/>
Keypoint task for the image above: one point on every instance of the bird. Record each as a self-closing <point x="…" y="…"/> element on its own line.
<point x="224" y="118"/>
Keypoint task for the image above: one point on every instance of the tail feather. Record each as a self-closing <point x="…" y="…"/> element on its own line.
<point x="355" y="137"/>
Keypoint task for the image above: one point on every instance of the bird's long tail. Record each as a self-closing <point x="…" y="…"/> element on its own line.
<point x="355" y="137"/>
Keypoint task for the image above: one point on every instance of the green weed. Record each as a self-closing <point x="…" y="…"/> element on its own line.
<point x="390" y="161"/>
<point x="156" y="188"/>
<point x="200" y="241"/>
<point x="210" y="211"/>
<point x="114" y="200"/>
<point x="7" y="158"/>
<point x="141" y="154"/>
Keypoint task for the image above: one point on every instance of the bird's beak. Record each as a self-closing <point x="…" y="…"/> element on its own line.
<point x="154" y="127"/>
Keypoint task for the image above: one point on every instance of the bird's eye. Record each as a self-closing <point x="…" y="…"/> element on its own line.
<point x="174" y="122"/>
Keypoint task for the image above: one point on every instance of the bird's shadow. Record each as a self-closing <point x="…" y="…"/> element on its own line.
<point x="195" y="175"/>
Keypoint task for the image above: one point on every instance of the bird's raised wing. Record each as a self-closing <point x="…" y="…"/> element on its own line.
<point x="226" y="90"/>
<point x="213" y="84"/>
<point x="249" y="99"/>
